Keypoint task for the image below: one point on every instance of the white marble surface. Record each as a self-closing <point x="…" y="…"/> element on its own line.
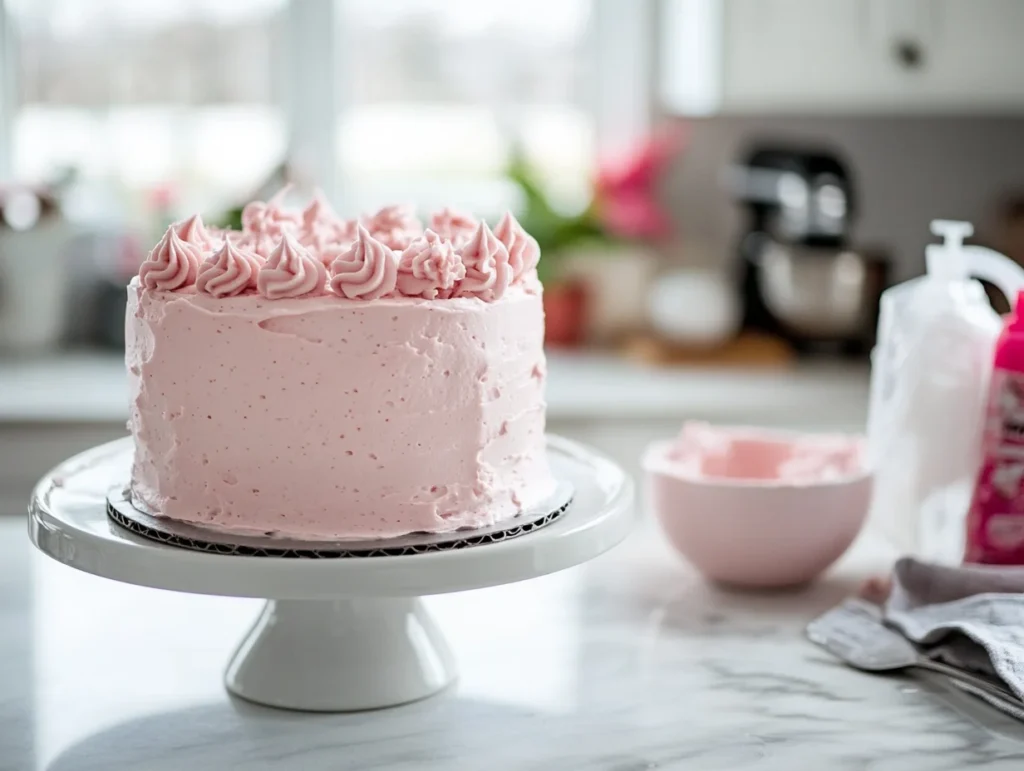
<point x="628" y="663"/>
<point x="579" y="386"/>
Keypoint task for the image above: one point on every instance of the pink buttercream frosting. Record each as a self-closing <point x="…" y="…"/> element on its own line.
<point x="345" y="231"/>
<point x="243" y="419"/>
<point x="429" y="268"/>
<point x="173" y="263"/>
<point x="367" y="270"/>
<point x="271" y="219"/>
<point x="523" y="251"/>
<point x="320" y="227"/>
<point x="260" y="245"/>
<point x="453" y="225"/>
<point x="194" y="232"/>
<point x="291" y="271"/>
<point x="320" y="238"/>
<point x="380" y="255"/>
<point x="229" y="271"/>
<point x="394" y="226"/>
<point x="318" y="212"/>
<point x="488" y="273"/>
<point x="703" y="451"/>
<point x="319" y="418"/>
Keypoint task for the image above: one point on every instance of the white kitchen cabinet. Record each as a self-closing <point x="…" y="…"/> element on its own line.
<point x="777" y="56"/>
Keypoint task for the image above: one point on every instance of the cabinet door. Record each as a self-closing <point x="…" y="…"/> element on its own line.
<point x="869" y="55"/>
<point x="974" y="54"/>
<point x="799" y="54"/>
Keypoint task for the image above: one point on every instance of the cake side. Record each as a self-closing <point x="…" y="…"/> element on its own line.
<point x="320" y="417"/>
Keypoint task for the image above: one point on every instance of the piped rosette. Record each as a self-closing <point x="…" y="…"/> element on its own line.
<point x="291" y="271"/>
<point x="323" y="231"/>
<point x="193" y="231"/>
<point x="366" y="270"/>
<point x="229" y="271"/>
<point x="429" y="268"/>
<point x="287" y="253"/>
<point x="488" y="272"/>
<point x="453" y="225"/>
<point x="523" y="250"/>
<point x="394" y="226"/>
<point x="173" y="264"/>
<point x="272" y="217"/>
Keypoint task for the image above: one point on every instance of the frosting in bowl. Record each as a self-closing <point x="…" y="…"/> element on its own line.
<point x="755" y="456"/>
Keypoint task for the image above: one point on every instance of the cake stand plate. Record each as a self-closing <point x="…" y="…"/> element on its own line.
<point x="337" y="634"/>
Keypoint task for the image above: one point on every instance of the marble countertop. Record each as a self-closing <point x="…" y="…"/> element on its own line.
<point x="630" y="662"/>
<point x="580" y="386"/>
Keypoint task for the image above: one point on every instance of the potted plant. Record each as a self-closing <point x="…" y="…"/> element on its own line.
<point x="624" y="219"/>
<point x="557" y="234"/>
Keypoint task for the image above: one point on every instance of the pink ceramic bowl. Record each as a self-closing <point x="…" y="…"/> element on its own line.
<point x="759" y="508"/>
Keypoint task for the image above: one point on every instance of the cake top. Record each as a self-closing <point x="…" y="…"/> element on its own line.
<point x="282" y="252"/>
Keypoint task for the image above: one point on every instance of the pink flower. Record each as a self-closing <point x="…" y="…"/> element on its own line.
<point x="625" y="191"/>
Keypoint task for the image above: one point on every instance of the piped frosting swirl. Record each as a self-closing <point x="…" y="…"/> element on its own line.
<point x="394" y="226"/>
<point x="193" y="231"/>
<point x="387" y="254"/>
<point x="271" y="219"/>
<point x="229" y="271"/>
<point x="453" y="225"/>
<point x="488" y="273"/>
<point x="318" y="212"/>
<point x="173" y="263"/>
<point x="523" y="250"/>
<point x="367" y="270"/>
<point x="429" y="268"/>
<point x="291" y="271"/>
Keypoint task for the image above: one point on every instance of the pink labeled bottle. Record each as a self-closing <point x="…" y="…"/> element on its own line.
<point x="995" y="521"/>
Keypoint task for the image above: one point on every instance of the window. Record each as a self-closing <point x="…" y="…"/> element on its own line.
<point x="437" y="93"/>
<point x="426" y="100"/>
<point x="140" y="96"/>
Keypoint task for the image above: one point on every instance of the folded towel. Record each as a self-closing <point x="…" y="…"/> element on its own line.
<point x="970" y="616"/>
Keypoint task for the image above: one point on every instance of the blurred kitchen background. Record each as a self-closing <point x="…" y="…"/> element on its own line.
<point x="721" y="188"/>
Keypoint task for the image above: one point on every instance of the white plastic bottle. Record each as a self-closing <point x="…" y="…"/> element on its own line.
<point x="929" y="384"/>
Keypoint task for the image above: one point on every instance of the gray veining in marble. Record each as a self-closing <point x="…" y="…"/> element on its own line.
<point x="626" y="664"/>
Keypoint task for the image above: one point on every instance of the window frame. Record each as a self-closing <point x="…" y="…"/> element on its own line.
<point x="621" y="49"/>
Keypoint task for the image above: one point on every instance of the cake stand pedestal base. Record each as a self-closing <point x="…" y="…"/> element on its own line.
<point x="338" y="633"/>
<point x="326" y="655"/>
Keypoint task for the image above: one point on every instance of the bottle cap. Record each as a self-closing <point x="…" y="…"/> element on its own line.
<point x="947" y="260"/>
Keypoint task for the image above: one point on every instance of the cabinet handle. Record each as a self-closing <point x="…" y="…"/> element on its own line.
<point x="909" y="54"/>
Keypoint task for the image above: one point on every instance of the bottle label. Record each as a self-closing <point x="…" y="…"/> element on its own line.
<point x="995" y="522"/>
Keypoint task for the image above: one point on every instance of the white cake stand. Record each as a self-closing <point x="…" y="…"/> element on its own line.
<point x="340" y="634"/>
